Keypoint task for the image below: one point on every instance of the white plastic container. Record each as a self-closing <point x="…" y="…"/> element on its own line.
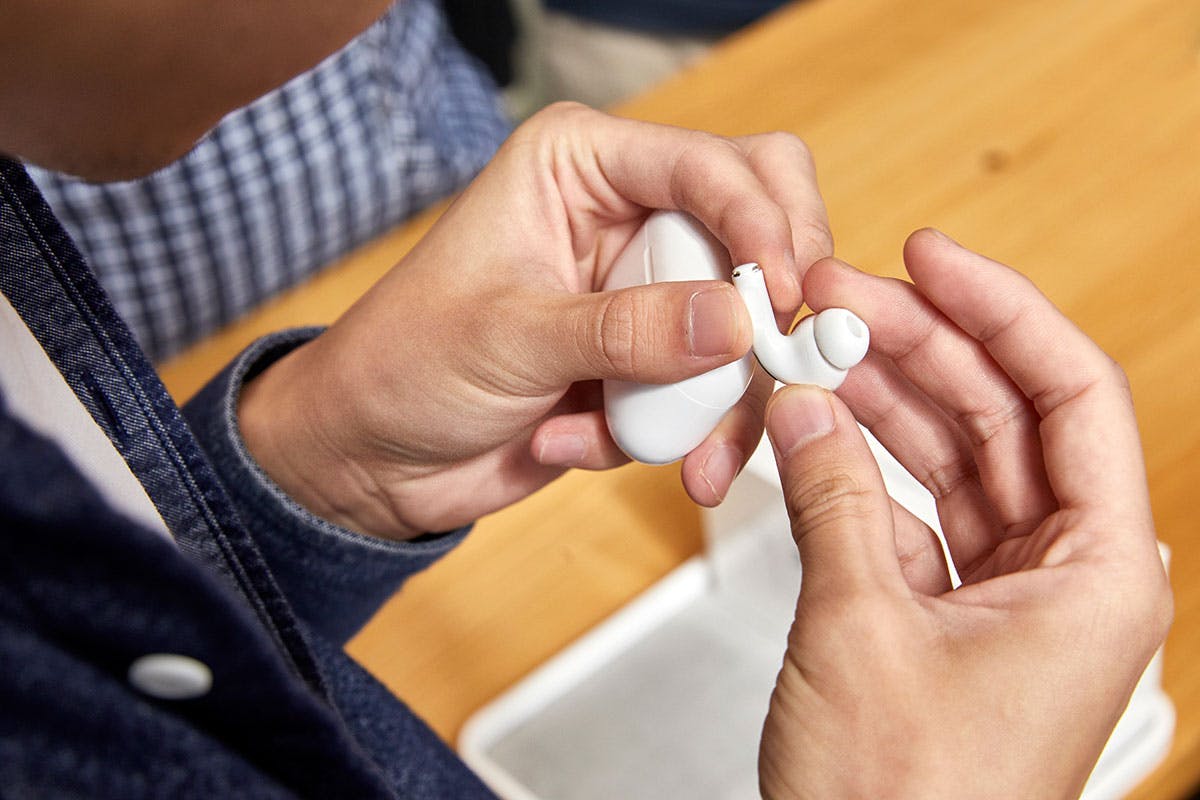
<point x="666" y="698"/>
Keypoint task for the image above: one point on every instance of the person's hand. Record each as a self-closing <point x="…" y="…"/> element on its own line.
<point x="1024" y="432"/>
<point x="467" y="378"/>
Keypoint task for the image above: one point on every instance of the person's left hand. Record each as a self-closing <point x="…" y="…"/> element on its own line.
<point x="468" y="377"/>
<point x="1024" y="432"/>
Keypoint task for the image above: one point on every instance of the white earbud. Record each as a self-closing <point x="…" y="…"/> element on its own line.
<point x="819" y="351"/>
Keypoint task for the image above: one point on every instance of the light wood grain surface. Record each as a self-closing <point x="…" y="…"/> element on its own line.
<point x="1060" y="137"/>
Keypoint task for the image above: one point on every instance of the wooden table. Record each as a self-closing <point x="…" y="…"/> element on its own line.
<point x="1062" y="137"/>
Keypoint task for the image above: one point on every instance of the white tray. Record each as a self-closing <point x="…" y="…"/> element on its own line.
<point x="666" y="698"/>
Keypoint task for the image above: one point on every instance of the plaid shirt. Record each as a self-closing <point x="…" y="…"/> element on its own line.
<point x="398" y="118"/>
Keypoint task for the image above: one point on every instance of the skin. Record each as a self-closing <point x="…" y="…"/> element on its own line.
<point x="459" y="395"/>
<point x="467" y="379"/>
<point x="113" y="89"/>
<point x="1024" y="432"/>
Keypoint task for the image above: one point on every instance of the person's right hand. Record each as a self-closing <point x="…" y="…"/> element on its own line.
<point x="1024" y="431"/>
<point x="469" y="376"/>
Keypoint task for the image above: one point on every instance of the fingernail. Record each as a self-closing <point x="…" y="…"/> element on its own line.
<point x="562" y="451"/>
<point x="720" y="468"/>
<point x="712" y="322"/>
<point x="799" y="416"/>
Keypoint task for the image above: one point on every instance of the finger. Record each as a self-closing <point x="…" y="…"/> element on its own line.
<point x="659" y="166"/>
<point x="709" y="470"/>
<point x="784" y="165"/>
<point x="658" y="333"/>
<point x="958" y="374"/>
<point x="499" y="477"/>
<point x="919" y="552"/>
<point x="579" y="440"/>
<point x="574" y="432"/>
<point x="841" y="514"/>
<point x="932" y="448"/>
<point x="1092" y="455"/>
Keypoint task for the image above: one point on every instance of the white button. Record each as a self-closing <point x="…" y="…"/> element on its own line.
<point x="170" y="677"/>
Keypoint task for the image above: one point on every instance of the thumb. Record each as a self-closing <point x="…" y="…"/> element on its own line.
<point x="659" y="333"/>
<point x="841" y="515"/>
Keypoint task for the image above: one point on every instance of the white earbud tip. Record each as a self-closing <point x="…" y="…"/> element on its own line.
<point x="841" y="337"/>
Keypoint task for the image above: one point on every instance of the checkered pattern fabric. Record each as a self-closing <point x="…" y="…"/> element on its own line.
<point x="398" y="118"/>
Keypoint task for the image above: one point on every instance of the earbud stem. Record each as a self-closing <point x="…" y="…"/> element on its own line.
<point x="797" y="358"/>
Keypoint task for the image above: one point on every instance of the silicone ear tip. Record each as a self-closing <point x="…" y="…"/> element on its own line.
<point x="841" y="337"/>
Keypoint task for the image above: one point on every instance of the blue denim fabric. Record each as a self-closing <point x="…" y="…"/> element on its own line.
<point x="335" y="578"/>
<point x="84" y="591"/>
<point x="52" y="290"/>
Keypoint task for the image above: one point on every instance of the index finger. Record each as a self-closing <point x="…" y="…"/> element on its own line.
<point x="1089" y="433"/>
<point x="713" y="179"/>
<point x="785" y="166"/>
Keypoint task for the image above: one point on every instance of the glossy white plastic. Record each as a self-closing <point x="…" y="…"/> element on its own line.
<point x="657" y="424"/>
<point x="821" y="349"/>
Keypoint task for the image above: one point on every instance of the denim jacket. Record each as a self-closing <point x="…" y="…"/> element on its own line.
<point x="260" y="591"/>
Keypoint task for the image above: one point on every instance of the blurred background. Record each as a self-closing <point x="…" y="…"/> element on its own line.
<point x="596" y="53"/>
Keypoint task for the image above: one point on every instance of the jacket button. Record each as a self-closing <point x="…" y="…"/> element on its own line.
<point x="170" y="677"/>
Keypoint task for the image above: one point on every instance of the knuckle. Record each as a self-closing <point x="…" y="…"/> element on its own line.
<point x="949" y="474"/>
<point x="610" y="338"/>
<point x="1117" y="376"/>
<point x="748" y="213"/>
<point x="1098" y="372"/>
<point x="983" y="425"/>
<point x="812" y="238"/>
<point x="833" y="499"/>
<point x="1155" y="612"/>
<point x="1149" y="620"/>
<point x="1140" y="612"/>
<point x="562" y="111"/>
<point x="700" y="165"/>
<point x="550" y="120"/>
<point x="711" y="146"/>
<point x="1000" y="324"/>
<point x="788" y="145"/>
<point x="1098" y="367"/>
<point x="708" y="151"/>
